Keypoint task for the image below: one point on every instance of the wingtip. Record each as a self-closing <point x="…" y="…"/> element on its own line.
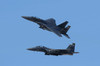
<point x="69" y="38"/>
<point x="60" y="35"/>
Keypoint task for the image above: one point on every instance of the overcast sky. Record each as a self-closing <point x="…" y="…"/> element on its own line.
<point x="18" y="34"/>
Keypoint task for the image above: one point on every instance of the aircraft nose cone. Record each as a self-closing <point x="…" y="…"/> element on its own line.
<point x="25" y="17"/>
<point x="30" y="49"/>
<point x="28" y="18"/>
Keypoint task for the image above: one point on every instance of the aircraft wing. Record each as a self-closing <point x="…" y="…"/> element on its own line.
<point x="55" y="31"/>
<point x="66" y="35"/>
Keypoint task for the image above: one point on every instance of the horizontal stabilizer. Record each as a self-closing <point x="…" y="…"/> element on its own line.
<point x="66" y="35"/>
<point x="67" y="28"/>
<point x="75" y="52"/>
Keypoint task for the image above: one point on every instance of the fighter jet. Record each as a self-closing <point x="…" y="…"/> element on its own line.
<point x="50" y="25"/>
<point x="68" y="51"/>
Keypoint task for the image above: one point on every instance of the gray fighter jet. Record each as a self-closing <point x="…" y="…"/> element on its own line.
<point x="50" y="25"/>
<point x="68" y="51"/>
